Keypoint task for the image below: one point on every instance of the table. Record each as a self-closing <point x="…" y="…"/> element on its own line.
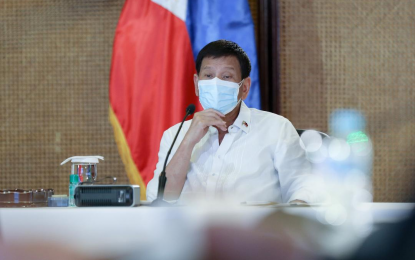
<point x="111" y="232"/>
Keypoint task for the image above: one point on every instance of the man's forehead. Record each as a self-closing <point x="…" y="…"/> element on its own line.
<point x="228" y="62"/>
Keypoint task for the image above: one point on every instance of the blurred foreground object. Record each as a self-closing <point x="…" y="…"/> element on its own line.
<point x="344" y="161"/>
<point x="281" y="236"/>
<point x="180" y="233"/>
<point x="38" y="251"/>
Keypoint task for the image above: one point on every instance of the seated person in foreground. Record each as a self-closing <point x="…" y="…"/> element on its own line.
<point x="229" y="150"/>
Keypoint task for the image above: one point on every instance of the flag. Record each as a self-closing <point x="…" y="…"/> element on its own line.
<point x="153" y="62"/>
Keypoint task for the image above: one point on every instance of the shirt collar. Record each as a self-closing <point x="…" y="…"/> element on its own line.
<point x="243" y="121"/>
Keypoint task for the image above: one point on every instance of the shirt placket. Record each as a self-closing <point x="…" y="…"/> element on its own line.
<point x="217" y="165"/>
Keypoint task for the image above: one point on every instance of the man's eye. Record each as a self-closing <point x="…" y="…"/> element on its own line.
<point x="208" y="75"/>
<point x="227" y="77"/>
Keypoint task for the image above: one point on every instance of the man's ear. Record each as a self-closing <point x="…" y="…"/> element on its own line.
<point x="195" y="80"/>
<point x="246" y="86"/>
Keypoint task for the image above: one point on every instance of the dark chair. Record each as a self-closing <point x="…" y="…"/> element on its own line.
<point x="323" y="135"/>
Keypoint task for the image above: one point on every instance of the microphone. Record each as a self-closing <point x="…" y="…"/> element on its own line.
<point x="190" y="110"/>
<point x="162" y="178"/>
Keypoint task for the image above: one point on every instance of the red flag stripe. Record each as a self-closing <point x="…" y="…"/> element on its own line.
<point x="151" y="80"/>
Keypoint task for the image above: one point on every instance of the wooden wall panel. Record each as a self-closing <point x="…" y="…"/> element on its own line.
<point x="360" y="55"/>
<point x="54" y="70"/>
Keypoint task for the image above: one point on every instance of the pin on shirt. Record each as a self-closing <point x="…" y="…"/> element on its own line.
<point x="244" y="123"/>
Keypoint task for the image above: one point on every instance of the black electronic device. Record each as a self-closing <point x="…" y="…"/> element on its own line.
<point x="107" y="195"/>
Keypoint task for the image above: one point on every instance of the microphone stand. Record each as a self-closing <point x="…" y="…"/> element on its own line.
<point x="160" y="202"/>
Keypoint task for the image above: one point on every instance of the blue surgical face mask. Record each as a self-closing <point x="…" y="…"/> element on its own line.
<point x="219" y="94"/>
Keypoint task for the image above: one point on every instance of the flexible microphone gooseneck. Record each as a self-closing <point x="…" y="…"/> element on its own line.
<point x="162" y="178"/>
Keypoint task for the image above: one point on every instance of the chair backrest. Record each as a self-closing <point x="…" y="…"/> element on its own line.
<point x="301" y="131"/>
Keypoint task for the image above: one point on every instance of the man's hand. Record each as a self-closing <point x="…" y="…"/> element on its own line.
<point x="200" y="125"/>
<point x="177" y="168"/>
<point x="298" y="202"/>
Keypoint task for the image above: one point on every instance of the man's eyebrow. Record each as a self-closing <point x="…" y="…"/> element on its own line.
<point x="209" y="67"/>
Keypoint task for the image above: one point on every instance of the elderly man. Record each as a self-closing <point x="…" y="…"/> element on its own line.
<point x="229" y="150"/>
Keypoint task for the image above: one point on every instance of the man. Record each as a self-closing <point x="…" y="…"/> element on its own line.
<point x="229" y="150"/>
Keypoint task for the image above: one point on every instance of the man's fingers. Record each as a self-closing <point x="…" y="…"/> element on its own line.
<point x="211" y="121"/>
<point x="208" y="116"/>
<point x="208" y="121"/>
<point x="214" y="116"/>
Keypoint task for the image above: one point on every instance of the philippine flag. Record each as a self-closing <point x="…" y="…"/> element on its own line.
<point x="153" y="62"/>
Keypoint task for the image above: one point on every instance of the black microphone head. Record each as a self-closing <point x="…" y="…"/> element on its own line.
<point x="190" y="109"/>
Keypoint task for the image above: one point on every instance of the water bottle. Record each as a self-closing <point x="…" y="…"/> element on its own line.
<point x="73" y="182"/>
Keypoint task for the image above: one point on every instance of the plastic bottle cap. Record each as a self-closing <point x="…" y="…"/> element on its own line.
<point x="73" y="178"/>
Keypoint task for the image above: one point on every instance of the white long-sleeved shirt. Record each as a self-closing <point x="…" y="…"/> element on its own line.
<point x="259" y="159"/>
